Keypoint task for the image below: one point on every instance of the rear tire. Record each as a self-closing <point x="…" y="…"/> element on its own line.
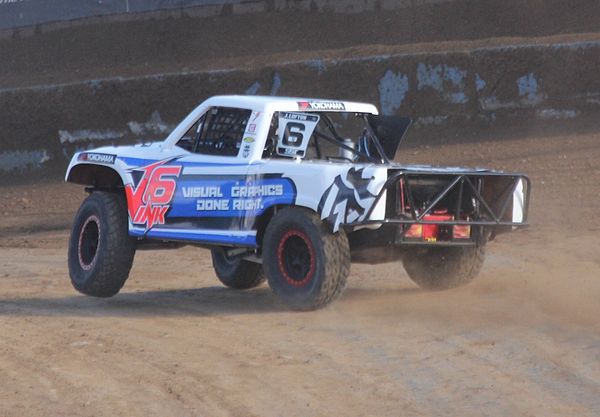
<point x="443" y="268"/>
<point x="306" y="264"/>
<point x="236" y="273"/>
<point x="101" y="251"/>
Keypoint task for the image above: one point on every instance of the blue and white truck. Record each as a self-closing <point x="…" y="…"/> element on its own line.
<point x="290" y="190"/>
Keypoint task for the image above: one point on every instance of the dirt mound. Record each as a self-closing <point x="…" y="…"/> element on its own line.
<point x="486" y="91"/>
<point x="159" y="46"/>
<point x="465" y="70"/>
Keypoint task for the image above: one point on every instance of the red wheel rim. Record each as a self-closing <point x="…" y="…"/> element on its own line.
<point x="89" y="240"/>
<point x="296" y="258"/>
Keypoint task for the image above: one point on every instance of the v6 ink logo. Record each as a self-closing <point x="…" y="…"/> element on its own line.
<point x="149" y="198"/>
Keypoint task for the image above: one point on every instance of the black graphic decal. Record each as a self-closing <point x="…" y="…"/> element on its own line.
<point x="346" y="200"/>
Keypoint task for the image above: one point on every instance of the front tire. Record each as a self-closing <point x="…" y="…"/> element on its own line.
<point x="443" y="268"/>
<point x="101" y="251"/>
<point x="306" y="264"/>
<point x="236" y="273"/>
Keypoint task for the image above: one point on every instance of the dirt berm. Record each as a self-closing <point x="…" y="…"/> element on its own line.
<point x="464" y="70"/>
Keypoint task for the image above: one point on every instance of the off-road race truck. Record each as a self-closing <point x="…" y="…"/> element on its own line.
<point x="288" y="190"/>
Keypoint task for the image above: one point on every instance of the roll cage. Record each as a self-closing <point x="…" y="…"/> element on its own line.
<point x="370" y="147"/>
<point x="478" y="199"/>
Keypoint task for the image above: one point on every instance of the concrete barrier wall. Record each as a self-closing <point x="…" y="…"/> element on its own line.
<point x="457" y="95"/>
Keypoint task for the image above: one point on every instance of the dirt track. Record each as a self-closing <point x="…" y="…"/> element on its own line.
<point x="523" y="339"/>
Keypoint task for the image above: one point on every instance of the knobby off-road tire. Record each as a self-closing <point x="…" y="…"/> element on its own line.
<point x="236" y="273"/>
<point x="306" y="264"/>
<point x="443" y="268"/>
<point x="101" y="251"/>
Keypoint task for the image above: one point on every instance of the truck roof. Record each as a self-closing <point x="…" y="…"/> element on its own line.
<point x="266" y="105"/>
<point x="269" y="103"/>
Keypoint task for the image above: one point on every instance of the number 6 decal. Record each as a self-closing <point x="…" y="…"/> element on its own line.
<point x="293" y="134"/>
<point x="295" y="130"/>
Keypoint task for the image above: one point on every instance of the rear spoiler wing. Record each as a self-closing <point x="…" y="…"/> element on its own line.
<point x="390" y="131"/>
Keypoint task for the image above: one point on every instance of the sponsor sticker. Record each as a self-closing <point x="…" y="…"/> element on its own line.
<point x="247" y="145"/>
<point x="102" y="158"/>
<point x="302" y="117"/>
<point x="149" y="200"/>
<point x="227" y="198"/>
<point x="321" y="105"/>
<point x="246" y="150"/>
<point x="255" y="116"/>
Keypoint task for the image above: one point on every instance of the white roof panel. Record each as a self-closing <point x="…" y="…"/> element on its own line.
<point x="269" y="103"/>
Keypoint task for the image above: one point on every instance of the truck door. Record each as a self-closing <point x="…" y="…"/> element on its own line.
<point x="206" y="207"/>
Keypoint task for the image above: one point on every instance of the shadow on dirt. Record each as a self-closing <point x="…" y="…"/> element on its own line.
<point x="208" y="301"/>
